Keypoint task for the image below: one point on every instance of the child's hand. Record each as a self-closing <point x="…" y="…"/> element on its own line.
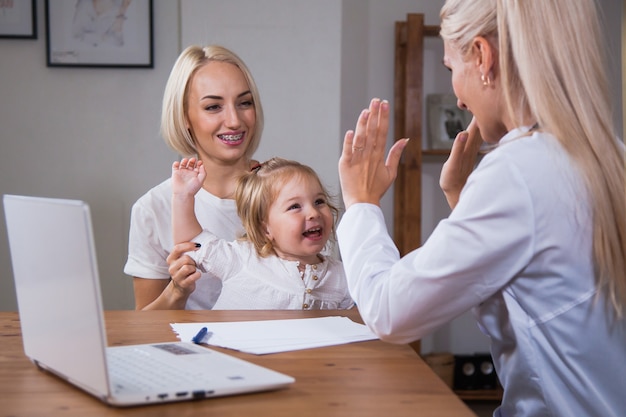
<point x="187" y="176"/>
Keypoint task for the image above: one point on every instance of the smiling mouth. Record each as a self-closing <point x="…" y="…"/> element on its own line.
<point x="314" y="232"/>
<point x="231" y="138"/>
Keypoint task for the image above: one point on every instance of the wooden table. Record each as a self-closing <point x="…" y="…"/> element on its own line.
<point x="371" y="378"/>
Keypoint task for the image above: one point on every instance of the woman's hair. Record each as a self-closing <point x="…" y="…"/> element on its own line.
<point x="552" y="70"/>
<point x="176" y="97"/>
<point x="257" y="190"/>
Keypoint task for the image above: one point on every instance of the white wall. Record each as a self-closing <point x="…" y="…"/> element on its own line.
<point x="293" y="49"/>
<point x="85" y="133"/>
<point x="93" y="134"/>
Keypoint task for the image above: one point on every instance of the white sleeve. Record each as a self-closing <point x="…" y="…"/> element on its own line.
<point x="217" y="256"/>
<point x="147" y="244"/>
<point x="484" y="243"/>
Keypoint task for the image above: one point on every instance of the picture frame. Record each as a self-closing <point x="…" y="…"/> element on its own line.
<point x="444" y="120"/>
<point x="118" y="34"/>
<point x="18" y="19"/>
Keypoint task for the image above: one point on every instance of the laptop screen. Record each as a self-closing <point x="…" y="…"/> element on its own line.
<point x="57" y="286"/>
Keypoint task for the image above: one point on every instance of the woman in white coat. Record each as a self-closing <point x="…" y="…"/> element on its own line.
<point x="536" y="241"/>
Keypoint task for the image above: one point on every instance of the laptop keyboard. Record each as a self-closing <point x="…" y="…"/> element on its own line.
<point x="136" y="370"/>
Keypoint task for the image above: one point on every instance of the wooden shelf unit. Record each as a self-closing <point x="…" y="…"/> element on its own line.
<point x="480" y="394"/>
<point x="408" y="99"/>
<point x="408" y="94"/>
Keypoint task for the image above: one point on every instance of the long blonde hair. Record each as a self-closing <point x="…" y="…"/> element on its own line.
<point x="552" y="69"/>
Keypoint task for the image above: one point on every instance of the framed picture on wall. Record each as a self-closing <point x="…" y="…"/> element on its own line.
<point x="18" y="19"/>
<point x="99" y="33"/>
<point x="444" y="120"/>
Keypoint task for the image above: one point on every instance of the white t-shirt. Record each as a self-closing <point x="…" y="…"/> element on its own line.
<point x="518" y="249"/>
<point x="251" y="282"/>
<point x="150" y="239"/>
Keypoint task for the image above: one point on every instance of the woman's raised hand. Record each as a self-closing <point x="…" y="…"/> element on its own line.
<point x="364" y="173"/>
<point x="460" y="163"/>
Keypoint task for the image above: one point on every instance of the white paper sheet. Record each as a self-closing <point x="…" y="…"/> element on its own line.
<point x="272" y="336"/>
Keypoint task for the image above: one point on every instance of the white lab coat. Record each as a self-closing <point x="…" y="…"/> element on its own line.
<point x="517" y="249"/>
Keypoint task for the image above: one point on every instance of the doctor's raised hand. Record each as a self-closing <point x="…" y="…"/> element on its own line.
<point x="364" y="172"/>
<point x="460" y="163"/>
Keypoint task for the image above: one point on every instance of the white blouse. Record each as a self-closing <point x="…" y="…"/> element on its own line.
<point x="250" y="282"/>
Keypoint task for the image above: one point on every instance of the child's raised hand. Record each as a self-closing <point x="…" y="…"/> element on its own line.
<point x="187" y="176"/>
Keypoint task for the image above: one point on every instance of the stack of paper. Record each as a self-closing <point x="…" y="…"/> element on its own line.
<point x="271" y="336"/>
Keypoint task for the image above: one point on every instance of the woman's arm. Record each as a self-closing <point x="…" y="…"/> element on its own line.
<point x="147" y="291"/>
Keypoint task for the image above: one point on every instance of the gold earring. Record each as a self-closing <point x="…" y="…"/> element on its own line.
<point x="486" y="80"/>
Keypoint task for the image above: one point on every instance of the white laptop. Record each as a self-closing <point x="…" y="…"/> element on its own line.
<point x="61" y="314"/>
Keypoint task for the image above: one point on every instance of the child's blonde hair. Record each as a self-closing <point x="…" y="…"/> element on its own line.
<point x="257" y="190"/>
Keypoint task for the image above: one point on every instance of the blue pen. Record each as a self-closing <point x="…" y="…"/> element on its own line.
<point x="197" y="339"/>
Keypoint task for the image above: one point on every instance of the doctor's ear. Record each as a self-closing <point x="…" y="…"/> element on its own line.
<point x="485" y="56"/>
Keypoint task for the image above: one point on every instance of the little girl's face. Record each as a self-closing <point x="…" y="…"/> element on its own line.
<point x="300" y="220"/>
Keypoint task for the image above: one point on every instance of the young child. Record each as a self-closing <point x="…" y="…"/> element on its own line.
<point x="278" y="264"/>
